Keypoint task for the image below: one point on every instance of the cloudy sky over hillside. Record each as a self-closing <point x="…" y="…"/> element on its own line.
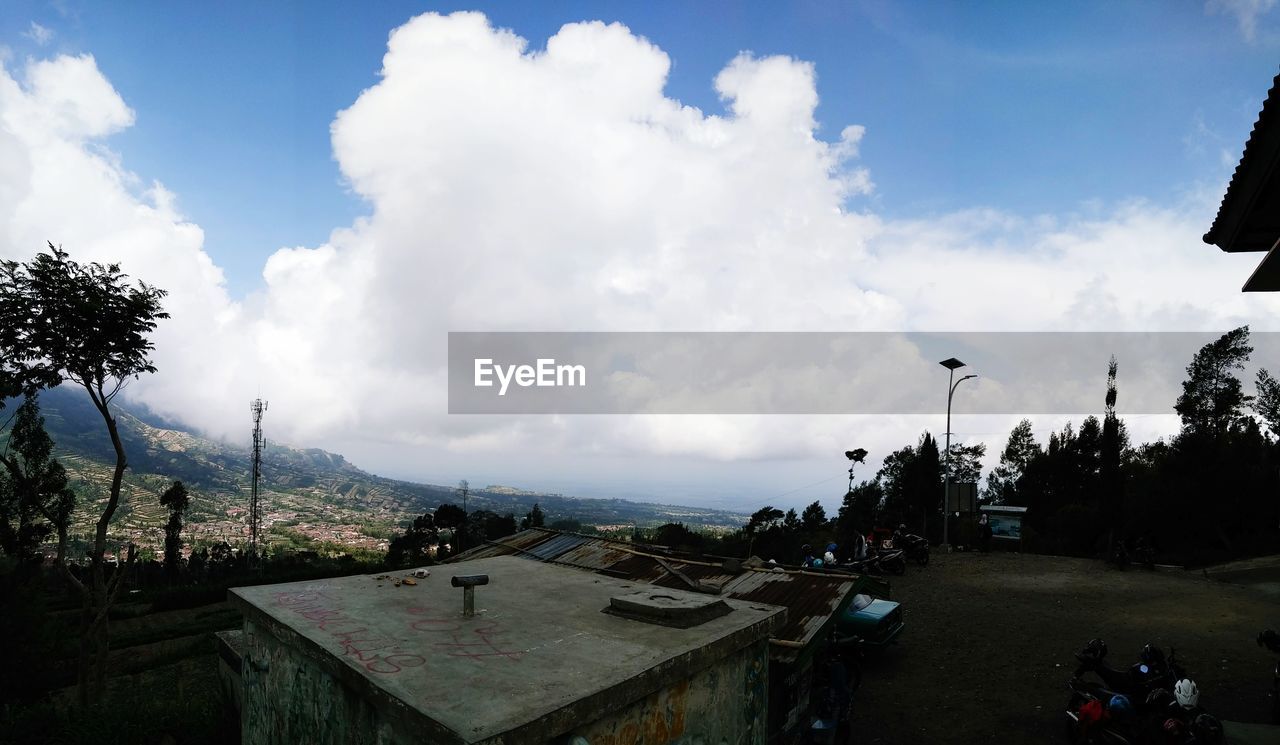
<point x="327" y="194"/>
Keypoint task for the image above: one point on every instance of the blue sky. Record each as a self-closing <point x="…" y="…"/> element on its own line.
<point x="1020" y="167"/>
<point x="1029" y="107"/>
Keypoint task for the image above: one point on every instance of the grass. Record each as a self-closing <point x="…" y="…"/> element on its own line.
<point x="179" y="703"/>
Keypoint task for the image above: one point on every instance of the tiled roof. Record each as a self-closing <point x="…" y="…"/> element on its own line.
<point x="1249" y="175"/>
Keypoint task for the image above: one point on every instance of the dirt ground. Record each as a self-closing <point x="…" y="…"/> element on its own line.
<point x="989" y="642"/>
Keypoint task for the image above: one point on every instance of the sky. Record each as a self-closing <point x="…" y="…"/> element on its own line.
<point x="327" y="192"/>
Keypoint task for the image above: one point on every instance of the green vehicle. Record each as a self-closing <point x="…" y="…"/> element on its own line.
<point x="876" y="622"/>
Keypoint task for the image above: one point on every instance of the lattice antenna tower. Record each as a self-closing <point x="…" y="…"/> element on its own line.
<point x="256" y="407"/>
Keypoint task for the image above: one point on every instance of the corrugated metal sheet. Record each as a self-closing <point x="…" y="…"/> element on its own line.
<point x="551" y="549"/>
<point x="810" y="599"/>
<point x="512" y="544"/>
<point x="594" y="554"/>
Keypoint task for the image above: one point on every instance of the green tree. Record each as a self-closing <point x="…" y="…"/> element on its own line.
<point x="791" y="522"/>
<point x="1020" y="450"/>
<point x="813" y="518"/>
<point x="858" y="511"/>
<point x="1111" y="450"/>
<point x="534" y="518"/>
<point x="1212" y="397"/>
<point x="35" y="499"/>
<point x="965" y="462"/>
<point x="176" y="500"/>
<point x="449" y="516"/>
<point x="1267" y="402"/>
<point x="413" y="547"/>
<point x="87" y="324"/>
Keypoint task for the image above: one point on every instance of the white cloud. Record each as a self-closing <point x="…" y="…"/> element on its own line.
<point x="39" y="34"/>
<point x="1246" y="13"/>
<point x="561" y="189"/>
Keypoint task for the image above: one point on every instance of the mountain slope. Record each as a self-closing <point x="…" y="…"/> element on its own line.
<point x="308" y="491"/>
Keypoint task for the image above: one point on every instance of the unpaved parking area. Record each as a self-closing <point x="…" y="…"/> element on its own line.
<point x="990" y="639"/>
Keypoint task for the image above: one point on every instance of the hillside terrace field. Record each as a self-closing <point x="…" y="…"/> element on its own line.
<point x="990" y="638"/>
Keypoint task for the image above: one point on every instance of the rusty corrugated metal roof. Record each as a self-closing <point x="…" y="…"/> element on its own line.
<point x="810" y="599"/>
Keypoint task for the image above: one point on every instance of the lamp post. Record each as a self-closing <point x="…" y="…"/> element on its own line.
<point x="951" y="364"/>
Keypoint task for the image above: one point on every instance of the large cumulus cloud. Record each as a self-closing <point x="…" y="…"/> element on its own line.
<point x="511" y="188"/>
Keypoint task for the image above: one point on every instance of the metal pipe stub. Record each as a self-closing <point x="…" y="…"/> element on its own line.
<point x="469" y="583"/>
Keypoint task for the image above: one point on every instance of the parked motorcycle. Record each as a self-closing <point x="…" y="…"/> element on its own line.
<point x="1082" y="729"/>
<point x="1144" y="555"/>
<point x="894" y="561"/>
<point x="1119" y="558"/>
<point x="916" y="547"/>
<point x="1271" y="640"/>
<point x="1153" y="672"/>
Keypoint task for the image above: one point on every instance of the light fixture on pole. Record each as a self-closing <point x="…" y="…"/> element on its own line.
<point x="952" y="364"/>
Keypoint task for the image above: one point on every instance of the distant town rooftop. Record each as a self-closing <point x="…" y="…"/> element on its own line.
<point x="1249" y="217"/>
<point x="532" y="662"/>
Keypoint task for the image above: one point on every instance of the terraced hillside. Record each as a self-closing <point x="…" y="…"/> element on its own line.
<point x="305" y="492"/>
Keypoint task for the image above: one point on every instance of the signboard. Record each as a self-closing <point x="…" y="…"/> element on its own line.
<point x="1006" y="526"/>
<point x="962" y="497"/>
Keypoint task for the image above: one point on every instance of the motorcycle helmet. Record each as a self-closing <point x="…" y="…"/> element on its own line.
<point x="1187" y="693"/>
<point x="829" y="558"/>
<point x="817" y="563"/>
<point x="1119" y="707"/>
<point x="1207" y="729"/>
<point x="1173" y="729"/>
<point x="832" y="548"/>
<point x="1096" y="648"/>
<point x="806" y="549"/>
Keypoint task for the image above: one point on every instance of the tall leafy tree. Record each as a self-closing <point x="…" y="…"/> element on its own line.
<point x="87" y="324"/>
<point x="1020" y="450"/>
<point x="1212" y="397"/>
<point x="964" y="464"/>
<point x="412" y="548"/>
<point x="35" y="498"/>
<point x="1111" y="449"/>
<point x="176" y="500"/>
<point x="1267" y="402"/>
<point x="535" y="518"/>
<point x="813" y="517"/>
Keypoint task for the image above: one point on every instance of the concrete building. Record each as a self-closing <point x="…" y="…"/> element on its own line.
<point x="551" y="654"/>
<point x="814" y="600"/>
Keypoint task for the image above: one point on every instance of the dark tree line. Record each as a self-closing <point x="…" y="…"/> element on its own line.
<point x="1209" y="493"/>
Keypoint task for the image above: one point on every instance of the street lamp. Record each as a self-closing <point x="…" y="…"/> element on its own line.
<point x="951" y="364"/>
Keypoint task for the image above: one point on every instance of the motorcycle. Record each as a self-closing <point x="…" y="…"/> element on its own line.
<point x="1144" y="555"/>
<point x="1119" y="556"/>
<point x="916" y="547"/>
<point x="1080" y="729"/>
<point x="892" y="560"/>
<point x="1138" y="681"/>
<point x="1271" y="640"/>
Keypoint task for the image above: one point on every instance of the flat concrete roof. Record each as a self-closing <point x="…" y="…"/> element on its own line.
<point x="538" y="658"/>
